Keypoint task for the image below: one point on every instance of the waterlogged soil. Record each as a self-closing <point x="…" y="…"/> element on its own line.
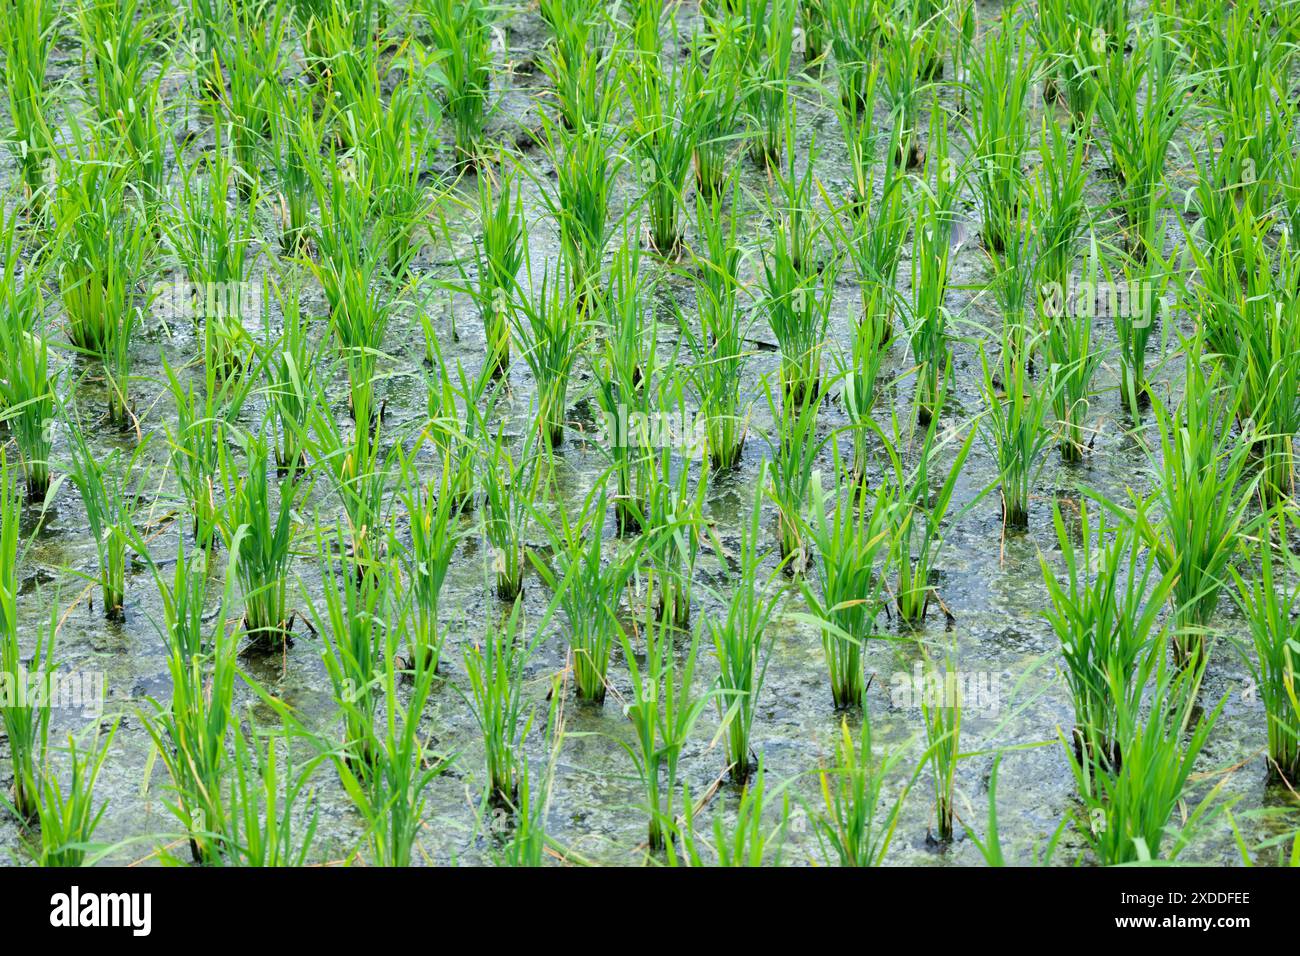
<point x="990" y="585"/>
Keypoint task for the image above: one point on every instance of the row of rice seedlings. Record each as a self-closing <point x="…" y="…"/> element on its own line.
<point x="1198" y="508"/>
<point x="1014" y="427"/>
<point x="719" y="350"/>
<point x="935" y="215"/>
<point x="798" y="283"/>
<point x="663" y="138"/>
<point x="1128" y="806"/>
<point x="213" y="241"/>
<point x="1270" y="605"/>
<point x="858" y="820"/>
<point x="916" y="521"/>
<point x="191" y="732"/>
<point x="664" y="709"/>
<point x="750" y="841"/>
<point x="495" y="669"/>
<point x="742" y="641"/>
<point x="260" y="535"/>
<point x="847" y="538"/>
<point x="942" y="713"/>
<point x="120" y="38"/>
<point x="25" y="726"/>
<point x="998" y="135"/>
<point x="108" y="485"/>
<point x="1106" y="616"/>
<point x="26" y="382"/>
<point x="1140" y="132"/>
<point x="510" y="484"/>
<point x="28" y="30"/>
<point x="624" y="376"/>
<point x="460" y="67"/>
<point x="587" y="588"/>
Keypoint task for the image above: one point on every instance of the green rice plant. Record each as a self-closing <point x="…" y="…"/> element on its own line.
<point x="68" y="821"/>
<point x="1197" y="511"/>
<point x="998" y="136"/>
<point x="812" y="23"/>
<point x="213" y="240"/>
<point x="742" y="642"/>
<point x="265" y="790"/>
<point x="916" y="526"/>
<point x="718" y="350"/>
<point x="851" y="828"/>
<point x="191" y="733"/>
<point x="663" y="138"/>
<point x="1073" y="39"/>
<point x="587" y="588"/>
<point x="1056" y="208"/>
<point x="259" y="532"/>
<point x="1143" y="283"/>
<point x="1269" y="603"/>
<point x="529" y="841"/>
<point x="712" y="109"/>
<point x="664" y="709"/>
<point x="586" y="162"/>
<point x="355" y="629"/>
<point x="510" y="485"/>
<point x="495" y="668"/>
<point x="460" y="67"/>
<point x="456" y="434"/>
<point x="295" y="143"/>
<point x="497" y="256"/>
<point x="765" y="93"/>
<point x="849" y="535"/>
<point x="27" y="384"/>
<point x="433" y="512"/>
<point x="1073" y="360"/>
<point x="124" y="46"/>
<point x="25" y="723"/>
<point x="1014" y="428"/>
<point x="941" y="713"/>
<point x="935" y="213"/>
<point x="578" y="60"/>
<point x="901" y="53"/>
<point x="1106" y="617"/>
<point x="855" y="34"/>
<point x="107" y="484"/>
<point x="290" y="373"/>
<point x="750" y="841"/>
<point x="28" y="29"/>
<point x="550" y="330"/>
<point x="794" y="454"/>
<point x="1140" y="135"/>
<point x="388" y="785"/>
<point x="799" y="285"/>
<point x="1127" y="812"/>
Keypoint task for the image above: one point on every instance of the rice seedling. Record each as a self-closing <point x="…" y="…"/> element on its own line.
<point x="587" y="588"/>
<point x="107" y="484"/>
<point x="295" y="143"/>
<point x="25" y="724"/>
<point x="916" y="526"/>
<point x="578" y="61"/>
<point x="1015" y="429"/>
<point x="901" y="53"/>
<point x="849" y="535"/>
<point x="27" y="383"/>
<point x="712" y="109"/>
<point x="742" y="643"/>
<point x="510" y="486"/>
<point x="27" y="34"/>
<point x="550" y="330"/>
<point x="718" y="350"/>
<point x="1106" y="616"/>
<point x="854" y="31"/>
<point x="851" y="828"/>
<point x="812" y="25"/>
<point x="1073" y="39"/>
<point x="664" y="709"/>
<point x="456" y="435"/>
<point x="495" y="668"/>
<point x="1140" y="135"/>
<point x="265" y="790"/>
<point x="998" y="136"/>
<point x="941" y="712"/>
<point x="460" y="66"/>
<point x="1144" y="283"/>
<point x="1128" y="808"/>
<point x="191" y="732"/>
<point x="748" y="842"/>
<point x="259" y="532"/>
<point x="1270" y="603"/>
<point x="68" y="821"/>
<point x="290" y="374"/>
<point x="794" y="454"/>
<point x="529" y="841"/>
<point x="1197" y="511"/>
<point x="765" y="93"/>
